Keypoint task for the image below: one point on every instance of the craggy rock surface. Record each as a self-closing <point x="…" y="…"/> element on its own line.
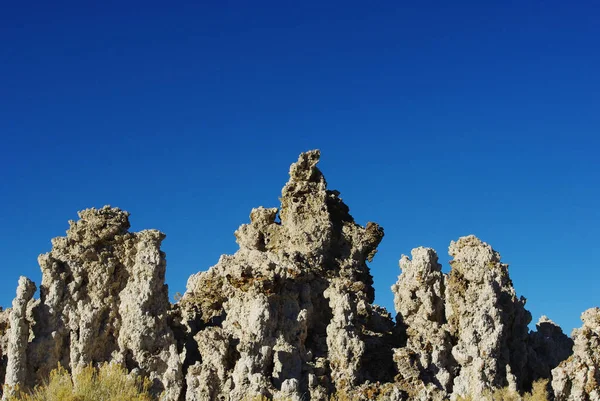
<point x="289" y="316"/>
<point x="486" y="317"/>
<point x="291" y="312"/>
<point x="419" y="300"/>
<point x="466" y="332"/>
<point x="578" y="378"/>
<point x="18" y="335"/>
<point x="102" y="298"/>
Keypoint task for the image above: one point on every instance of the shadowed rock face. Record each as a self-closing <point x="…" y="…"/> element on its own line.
<point x="547" y="347"/>
<point x="4" y="327"/>
<point x="290" y="315"/>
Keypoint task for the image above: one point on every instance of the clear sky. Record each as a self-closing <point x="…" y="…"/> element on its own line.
<point x="435" y="119"/>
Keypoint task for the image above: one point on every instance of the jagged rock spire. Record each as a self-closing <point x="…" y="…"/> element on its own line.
<point x="290" y="308"/>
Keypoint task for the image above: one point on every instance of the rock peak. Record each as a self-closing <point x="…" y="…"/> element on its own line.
<point x="305" y="169"/>
<point x="97" y="225"/>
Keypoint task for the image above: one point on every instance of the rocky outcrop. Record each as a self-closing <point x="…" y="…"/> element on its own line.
<point x="4" y="329"/>
<point x="578" y="377"/>
<point x="102" y="298"/>
<point x="419" y="300"/>
<point x="467" y="331"/>
<point x="487" y="319"/>
<point x="290" y="315"/>
<point x="18" y="336"/>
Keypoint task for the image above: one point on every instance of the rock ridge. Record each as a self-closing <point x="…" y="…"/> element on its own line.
<point x="290" y="315"/>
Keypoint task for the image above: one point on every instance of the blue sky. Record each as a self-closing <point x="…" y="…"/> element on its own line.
<point x="435" y="120"/>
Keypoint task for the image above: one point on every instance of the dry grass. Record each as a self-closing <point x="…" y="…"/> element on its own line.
<point x="538" y="393"/>
<point x="109" y="382"/>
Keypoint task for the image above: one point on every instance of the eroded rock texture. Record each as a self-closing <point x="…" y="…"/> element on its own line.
<point x="102" y="298"/>
<point x="578" y="378"/>
<point x="290" y="315"/>
<point x="419" y="300"/>
<point x="487" y="319"/>
<point x="18" y="336"/>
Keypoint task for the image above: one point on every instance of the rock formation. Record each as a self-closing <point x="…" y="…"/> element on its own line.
<point x="291" y="312"/>
<point x="419" y="300"/>
<point x="487" y="319"/>
<point x="18" y="336"/>
<point x="547" y="347"/>
<point x="289" y="316"/>
<point x="102" y="298"/>
<point x="578" y="377"/>
<point x="468" y="330"/>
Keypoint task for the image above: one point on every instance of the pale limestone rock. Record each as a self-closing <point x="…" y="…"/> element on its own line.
<point x="486" y="318"/>
<point x="419" y="300"/>
<point x="578" y="377"/>
<point x="466" y="332"/>
<point x="345" y="346"/>
<point x="103" y="298"/>
<point x="18" y="336"/>
<point x="410" y="377"/>
<point x="290" y="315"/>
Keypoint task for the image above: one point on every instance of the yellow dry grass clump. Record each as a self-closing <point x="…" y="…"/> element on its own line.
<point x="539" y="392"/>
<point x="109" y="382"/>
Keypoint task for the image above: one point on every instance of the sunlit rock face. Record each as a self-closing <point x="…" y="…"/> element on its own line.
<point x="18" y="336"/>
<point x="102" y="298"/>
<point x="467" y="330"/>
<point x="578" y="377"/>
<point x="419" y="300"/>
<point x="289" y="316"/>
<point x="487" y="319"/>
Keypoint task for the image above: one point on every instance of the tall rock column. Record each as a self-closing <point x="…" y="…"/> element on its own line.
<point x="16" y="370"/>
<point x="419" y="300"/>
<point x="290" y="314"/>
<point x="103" y="298"/>
<point x="487" y="319"/>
